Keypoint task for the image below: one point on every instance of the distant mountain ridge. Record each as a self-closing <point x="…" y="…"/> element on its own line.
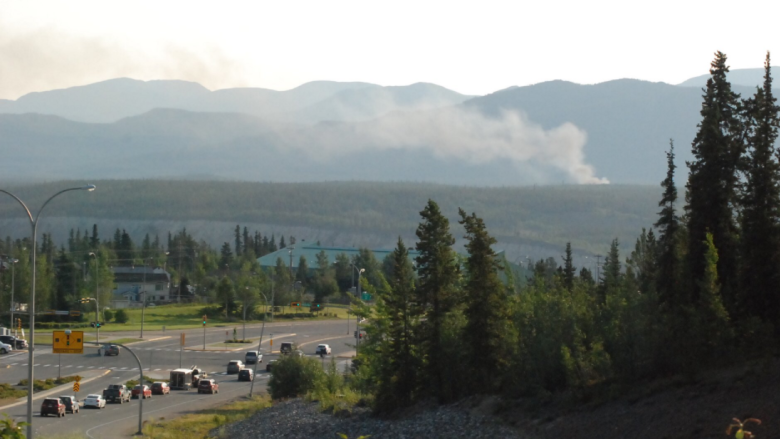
<point x="115" y="99"/>
<point x="552" y="132"/>
<point x="741" y="77"/>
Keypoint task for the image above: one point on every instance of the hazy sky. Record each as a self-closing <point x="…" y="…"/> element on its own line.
<point x="472" y="47"/>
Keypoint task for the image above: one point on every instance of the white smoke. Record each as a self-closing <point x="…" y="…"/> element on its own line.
<point x="461" y="133"/>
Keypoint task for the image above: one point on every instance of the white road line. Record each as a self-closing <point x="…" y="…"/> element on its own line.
<point x="47" y="365"/>
<point x="124" y="368"/>
<point x="156" y="370"/>
<point x="14" y="364"/>
<point x="70" y="365"/>
<point x="80" y="367"/>
<point x="36" y="365"/>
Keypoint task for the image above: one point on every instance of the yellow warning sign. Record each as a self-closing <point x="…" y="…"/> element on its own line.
<point x="68" y="342"/>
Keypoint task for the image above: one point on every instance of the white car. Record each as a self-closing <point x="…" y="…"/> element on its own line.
<point x="322" y="349"/>
<point x="94" y="400"/>
<point x="5" y="348"/>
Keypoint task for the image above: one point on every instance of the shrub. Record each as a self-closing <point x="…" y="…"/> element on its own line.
<point x="293" y="376"/>
<point x="121" y="316"/>
<point x="108" y="315"/>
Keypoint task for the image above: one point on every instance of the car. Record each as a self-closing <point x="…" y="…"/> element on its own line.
<point x="322" y="349"/>
<point x="15" y="342"/>
<point x="5" y="348"/>
<point x="298" y="353"/>
<point x="246" y="375"/>
<point x="108" y="349"/>
<point x="253" y="357"/>
<point x="287" y="347"/>
<point x="160" y="388"/>
<point x="208" y="386"/>
<point x="234" y="366"/>
<point x="268" y="366"/>
<point x="145" y="390"/>
<point x="94" y="400"/>
<point x="52" y="406"/>
<point x="71" y="405"/>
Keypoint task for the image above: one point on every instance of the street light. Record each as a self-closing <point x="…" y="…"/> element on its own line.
<point x="13" y="276"/>
<point x="143" y="302"/>
<point x="262" y="331"/>
<point x="31" y="305"/>
<point x="97" y="299"/>
<point x="357" y="318"/>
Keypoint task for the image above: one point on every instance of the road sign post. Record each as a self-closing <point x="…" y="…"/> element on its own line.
<point x="181" y="348"/>
<point x="204" y="331"/>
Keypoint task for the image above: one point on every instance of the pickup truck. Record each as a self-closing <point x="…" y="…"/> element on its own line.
<point x="117" y="393"/>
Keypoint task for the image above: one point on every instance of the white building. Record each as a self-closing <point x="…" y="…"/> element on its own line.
<point x="132" y="282"/>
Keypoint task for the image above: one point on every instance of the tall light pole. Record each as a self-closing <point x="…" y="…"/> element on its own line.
<point x="13" y="276"/>
<point x="143" y="301"/>
<point x="97" y="299"/>
<point x="357" y="318"/>
<point x="260" y="343"/>
<point x="31" y="305"/>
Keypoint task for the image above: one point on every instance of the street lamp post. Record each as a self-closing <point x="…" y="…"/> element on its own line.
<point x="143" y="301"/>
<point x="31" y="305"/>
<point x="97" y="300"/>
<point x="357" y="318"/>
<point x="260" y="343"/>
<point x="13" y="276"/>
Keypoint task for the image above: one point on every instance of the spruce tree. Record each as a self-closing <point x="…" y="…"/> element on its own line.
<point x="711" y="189"/>
<point x="94" y="241"/>
<point x="438" y="272"/>
<point x="226" y="256"/>
<point x="569" y="271"/>
<point x="237" y="239"/>
<point x="398" y="381"/>
<point x="760" y="203"/>
<point x="668" y="224"/>
<point x="302" y="274"/>
<point x="488" y="322"/>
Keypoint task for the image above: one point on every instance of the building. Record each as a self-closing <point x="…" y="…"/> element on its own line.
<point x="310" y="251"/>
<point x="133" y="282"/>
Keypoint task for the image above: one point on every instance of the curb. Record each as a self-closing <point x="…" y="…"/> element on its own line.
<point x="146" y="341"/>
<point x="57" y="389"/>
<point x="248" y="346"/>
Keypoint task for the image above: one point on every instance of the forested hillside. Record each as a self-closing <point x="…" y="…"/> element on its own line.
<point x="528" y="221"/>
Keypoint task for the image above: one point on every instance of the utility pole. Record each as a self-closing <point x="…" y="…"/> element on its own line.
<point x="180" y="276"/>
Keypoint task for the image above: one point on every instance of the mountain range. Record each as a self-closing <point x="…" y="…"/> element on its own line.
<point x="550" y="132"/>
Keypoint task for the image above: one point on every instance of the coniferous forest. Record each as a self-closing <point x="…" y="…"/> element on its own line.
<point x="697" y="289"/>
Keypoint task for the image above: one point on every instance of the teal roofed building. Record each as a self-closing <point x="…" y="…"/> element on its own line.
<point x="310" y="251"/>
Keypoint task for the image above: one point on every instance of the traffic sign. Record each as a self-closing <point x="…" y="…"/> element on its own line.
<point x="295" y="304"/>
<point x="68" y="342"/>
<point x="76" y="386"/>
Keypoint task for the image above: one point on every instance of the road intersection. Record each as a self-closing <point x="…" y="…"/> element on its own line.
<point x="160" y="354"/>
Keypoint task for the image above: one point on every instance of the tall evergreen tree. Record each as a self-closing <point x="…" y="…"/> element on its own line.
<point x="711" y="189"/>
<point x="438" y="273"/>
<point x="398" y="383"/>
<point x="668" y="224"/>
<point x="760" y="203"/>
<point x="226" y="256"/>
<point x="237" y="238"/>
<point x="302" y="274"/>
<point x="281" y="242"/>
<point x="569" y="271"/>
<point x="247" y="241"/>
<point x="488" y="322"/>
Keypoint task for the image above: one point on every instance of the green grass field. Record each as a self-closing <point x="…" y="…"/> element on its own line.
<point x="189" y="316"/>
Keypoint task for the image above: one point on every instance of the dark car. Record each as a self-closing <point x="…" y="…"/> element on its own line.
<point x="245" y="375"/>
<point x="52" y="406"/>
<point x="160" y="388"/>
<point x="71" y="405"/>
<point x="268" y="366"/>
<point x="109" y="349"/>
<point x="287" y="347"/>
<point x="16" y="343"/>
<point x="208" y="386"/>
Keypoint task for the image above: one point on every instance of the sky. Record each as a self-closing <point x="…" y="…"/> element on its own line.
<point x="471" y="47"/>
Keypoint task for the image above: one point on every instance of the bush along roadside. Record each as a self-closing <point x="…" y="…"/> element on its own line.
<point x="49" y="383"/>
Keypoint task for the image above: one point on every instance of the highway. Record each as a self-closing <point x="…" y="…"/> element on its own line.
<point x="158" y="356"/>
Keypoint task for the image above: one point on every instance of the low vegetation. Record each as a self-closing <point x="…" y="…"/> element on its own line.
<point x="49" y="383"/>
<point x="205" y="423"/>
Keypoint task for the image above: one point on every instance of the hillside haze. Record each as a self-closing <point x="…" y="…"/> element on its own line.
<point x="548" y="133"/>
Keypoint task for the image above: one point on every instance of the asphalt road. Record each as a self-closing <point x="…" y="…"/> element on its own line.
<point x="158" y="356"/>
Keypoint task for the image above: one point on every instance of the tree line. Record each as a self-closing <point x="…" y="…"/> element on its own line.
<point x="698" y="290"/>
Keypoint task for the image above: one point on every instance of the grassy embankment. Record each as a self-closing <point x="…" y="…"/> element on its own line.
<point x="174" y="317"/>
<point x="8" y="392"/>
